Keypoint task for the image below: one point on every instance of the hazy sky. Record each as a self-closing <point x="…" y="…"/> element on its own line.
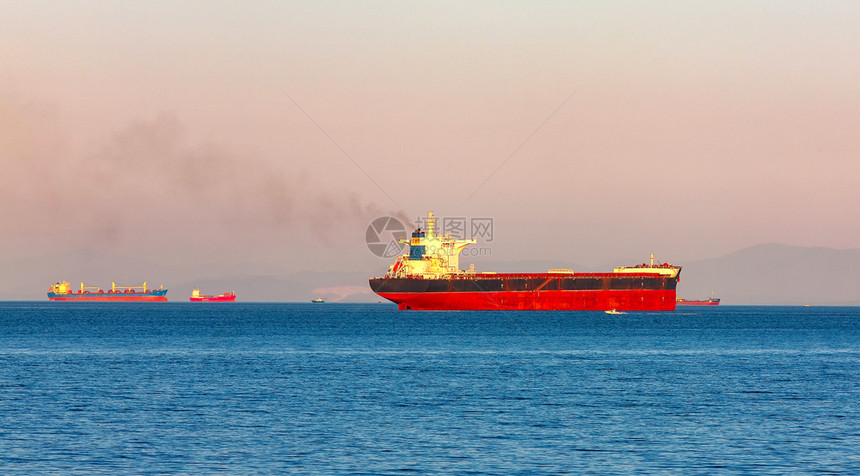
<point x="591" y="132"/>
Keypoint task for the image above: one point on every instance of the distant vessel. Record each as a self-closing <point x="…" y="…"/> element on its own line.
<point x="429" y="277"/>
<point x="223" y="297"/>
<point x="63" y="292"/>
<point x="613" y="311"/>
<point x="318" y="301"/>
<point x="712" y="301"/>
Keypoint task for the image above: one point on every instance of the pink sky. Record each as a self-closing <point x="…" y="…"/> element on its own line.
<point x="171" y="130"/>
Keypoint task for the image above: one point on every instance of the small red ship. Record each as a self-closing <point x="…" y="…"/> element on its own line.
<point x="63" y="292"/>
<point x="223" y="297"/>
<point x="429" y="278"/>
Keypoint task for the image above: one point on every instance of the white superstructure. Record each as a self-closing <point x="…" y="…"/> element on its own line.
<point x="660" y="268"/>
<point x="430" y="255"/>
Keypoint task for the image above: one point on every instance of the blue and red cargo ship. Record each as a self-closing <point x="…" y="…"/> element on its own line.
<point x="429" y="278"/>
<point x="63" y="292"/>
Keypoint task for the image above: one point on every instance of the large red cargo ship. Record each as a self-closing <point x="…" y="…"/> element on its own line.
<point x="429" y="278"/>
<point x="63" y="292"/>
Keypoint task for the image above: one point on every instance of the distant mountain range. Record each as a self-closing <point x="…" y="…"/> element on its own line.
<point x="776" y="274"/>
<point x="771" y="274"/>
<point x="29" y="279"/>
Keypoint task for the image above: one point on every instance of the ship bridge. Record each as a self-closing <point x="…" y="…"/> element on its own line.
<point x="430" y="255"/>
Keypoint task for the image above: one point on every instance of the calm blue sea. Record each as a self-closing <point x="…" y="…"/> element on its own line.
<point x="166" y="388"/>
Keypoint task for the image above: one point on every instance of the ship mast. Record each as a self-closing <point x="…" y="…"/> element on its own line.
<point x="431" y="225"/>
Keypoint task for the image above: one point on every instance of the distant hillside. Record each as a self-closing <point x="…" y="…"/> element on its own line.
<point x="29" y="279"/>
<point x="761" y="274"/>
<point x="776" y="274"/>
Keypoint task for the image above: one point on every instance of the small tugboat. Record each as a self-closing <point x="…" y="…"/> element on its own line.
<point x="613" y="311"/>
<point x="223" y="297"/>
<point x="318" y="301"/>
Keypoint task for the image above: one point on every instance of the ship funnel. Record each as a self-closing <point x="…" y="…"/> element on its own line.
<point x="416" y="246"/>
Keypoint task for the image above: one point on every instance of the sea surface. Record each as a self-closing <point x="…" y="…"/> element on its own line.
<point x="295" y="388"/>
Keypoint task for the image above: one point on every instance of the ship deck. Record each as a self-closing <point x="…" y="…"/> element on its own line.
<point x="474" y="276"/>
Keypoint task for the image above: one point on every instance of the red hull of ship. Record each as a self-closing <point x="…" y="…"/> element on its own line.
<point x="621" y="300"/>
<point x="214" y="299"/>
<point x="118" y="298"/>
